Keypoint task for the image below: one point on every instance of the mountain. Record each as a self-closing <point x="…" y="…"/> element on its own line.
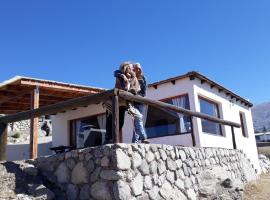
<point x="261" y="117"/>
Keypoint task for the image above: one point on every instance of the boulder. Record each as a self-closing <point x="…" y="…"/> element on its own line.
<point x="101" y="191"/>
<point x="79" y="174"/>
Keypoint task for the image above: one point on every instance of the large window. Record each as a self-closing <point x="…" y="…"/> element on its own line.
<point x="161" y="122"/>
<point x="210" y="108"/>
<point x="89" y="131"/>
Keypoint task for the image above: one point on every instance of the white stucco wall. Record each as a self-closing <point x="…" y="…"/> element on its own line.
<point x="229" y="110"/>
<point x="60" y="122"/>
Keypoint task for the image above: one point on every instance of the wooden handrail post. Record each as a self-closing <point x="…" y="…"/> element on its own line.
<point x="33" y="150"/>
<point x="3" y="141"/>
<point x="115" y="119"/>
<point x="233" y="138"/>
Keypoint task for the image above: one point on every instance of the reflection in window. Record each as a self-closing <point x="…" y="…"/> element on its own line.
<point x="161" y="122"/>
<point x="210" y="108"/>
<point x="90" y="131"/>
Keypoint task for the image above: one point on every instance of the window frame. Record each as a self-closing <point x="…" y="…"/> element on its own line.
<point x="176" y="134"/>
<point x="243" y="124"/>
<point x="73" y="128"/>
<point x="217" y="104"/>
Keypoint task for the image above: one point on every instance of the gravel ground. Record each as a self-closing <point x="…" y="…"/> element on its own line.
<point x="259" y="190"/>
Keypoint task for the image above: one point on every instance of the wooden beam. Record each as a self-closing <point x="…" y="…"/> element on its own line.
<point x="158" y="104"/>
<point x="3" y="141"/>
<point x="115" y="119"/>
<point x="33" y="151"/>
<point x="58" y="86"/>
<point x="10" y="98"/>
<point x="58" y="107"/>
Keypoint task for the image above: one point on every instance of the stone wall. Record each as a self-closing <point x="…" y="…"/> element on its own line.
<point x="264" y="163"/>
<point x="130" y="171"/>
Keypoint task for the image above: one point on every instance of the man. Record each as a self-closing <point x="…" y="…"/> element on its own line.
<point x="139" y="130"/>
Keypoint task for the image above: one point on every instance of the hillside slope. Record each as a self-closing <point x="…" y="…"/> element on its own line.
<point x="261" y="116"/>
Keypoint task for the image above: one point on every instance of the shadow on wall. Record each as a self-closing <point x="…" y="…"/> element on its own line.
<point x="21" y="151"/>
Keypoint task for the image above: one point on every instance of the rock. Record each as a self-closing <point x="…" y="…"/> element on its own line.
<point x="207" y="191"/>
<point x="185" y="169"/>
<point x="90" y="166"/>
<point x="208" y="152"/>
<point x="101" y="191"/>
<point x="166" y="190"/>
<point x="121" y="191"/>
<point x="153" y="148"/>
<point x="153" y="194"/>
<point x="170" y="177"/>
<point x="144" y="168"/>
<point x="79" y="174"/>
<point x="172" y="155"/>
<point x="72" y="192"/>
<point x="171" y="164"/>
<point x="150" y="157"/>
<point x="88" y="156"/>
<point x="192" y="153"/>
<point x="105" y="161"/>
<point x="177" y="194"/>
<point x="123" y="161"/>
<point x="187" y="183"/>
<point x="111" y="175"/>
<point x="191" y="194"/>
<point x="137" y="185"/>
<point x="180" y="184"/>
<point x="147" y="182"/>
<point x="180" y="174"/>
<point x="62" y="173"/>
<point x="97" y="153"/>
<point x="161" y="168"/>
<point x="95" y="174"/>
<point x="178" y="163"/>
<point x="163" y="154"/>
<point x="85" y="192"/>
<point x="40" y="191"/>
<point x="70" y="163"/>
<point x="153" y="167"/>
<point x="183" y="155"/>
<point x="136" y="160"/>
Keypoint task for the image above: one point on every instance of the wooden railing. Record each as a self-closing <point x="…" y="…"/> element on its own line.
<point x="113" y="95"/>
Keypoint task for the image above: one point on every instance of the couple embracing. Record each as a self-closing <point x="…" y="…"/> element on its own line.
<point x="129" y="77"/>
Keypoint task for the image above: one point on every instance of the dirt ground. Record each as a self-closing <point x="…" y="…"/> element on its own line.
<point x="259" y="190"/>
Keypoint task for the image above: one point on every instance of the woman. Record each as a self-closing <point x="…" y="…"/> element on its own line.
<point x="139" y="130"/>
<point x="125" y="80"/>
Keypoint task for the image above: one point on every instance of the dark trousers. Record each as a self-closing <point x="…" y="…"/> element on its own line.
<point x="122" y="110"/>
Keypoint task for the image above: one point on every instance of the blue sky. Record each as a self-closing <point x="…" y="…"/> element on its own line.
<point x="84" y="41"/>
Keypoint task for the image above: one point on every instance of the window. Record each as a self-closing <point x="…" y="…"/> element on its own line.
<point x="210" y="108"/>
<point x="161" y="122"/>
<point x="89" y="131"/>
<point x="243" y="124"/>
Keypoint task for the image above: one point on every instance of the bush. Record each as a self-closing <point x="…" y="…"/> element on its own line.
<point x="16" y="135"/>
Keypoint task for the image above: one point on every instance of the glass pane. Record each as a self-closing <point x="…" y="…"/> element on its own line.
<point x="88" y="132"/>
<point x="162" y="122"/>
<point x="212" y="110"/>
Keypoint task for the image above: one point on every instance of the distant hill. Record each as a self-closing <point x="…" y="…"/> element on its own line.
<point x="261" y="116"/>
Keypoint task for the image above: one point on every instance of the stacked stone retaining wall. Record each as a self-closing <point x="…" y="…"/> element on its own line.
<point x="130" y="171"/>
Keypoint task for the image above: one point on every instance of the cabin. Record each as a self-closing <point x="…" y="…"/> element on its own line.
<point x="86" y="126"/>
<point x="186" y="110"/>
